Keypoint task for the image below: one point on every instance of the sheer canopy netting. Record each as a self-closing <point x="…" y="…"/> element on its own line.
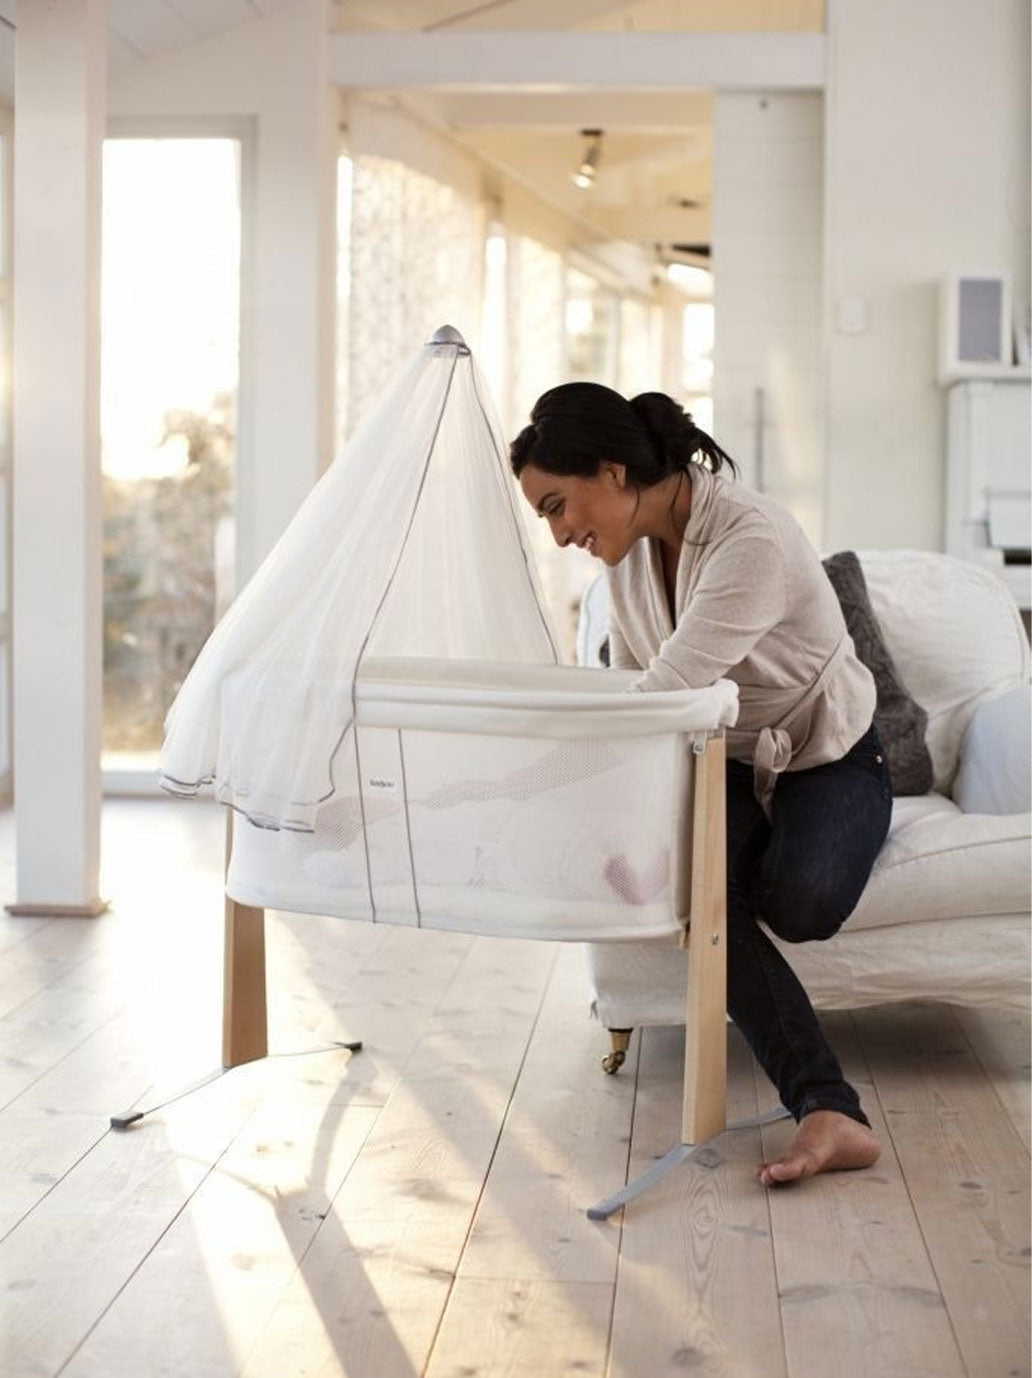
<point x="411" y="544"/>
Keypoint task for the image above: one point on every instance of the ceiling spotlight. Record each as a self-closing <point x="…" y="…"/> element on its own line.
<point x="585" y="175"/>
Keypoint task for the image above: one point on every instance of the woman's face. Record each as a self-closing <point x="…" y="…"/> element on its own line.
<point x="596" y="513"/>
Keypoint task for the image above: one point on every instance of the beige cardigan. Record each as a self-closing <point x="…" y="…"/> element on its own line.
<point x="754" y="605"/>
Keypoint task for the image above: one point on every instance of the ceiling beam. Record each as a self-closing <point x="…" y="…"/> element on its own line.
<point x="576" y="61"/>
<point x="525" y="14"/>
<point x="658" y="225"/>
<point x="645" y="112"/>
<point x="453" y="15"/>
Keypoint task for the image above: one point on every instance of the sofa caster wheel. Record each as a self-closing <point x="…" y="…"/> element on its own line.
<point x="613" y="1061"/>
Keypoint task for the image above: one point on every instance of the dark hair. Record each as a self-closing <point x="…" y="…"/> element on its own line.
<point x="576" y="426"/>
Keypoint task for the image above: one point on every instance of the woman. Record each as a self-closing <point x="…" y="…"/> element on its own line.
<point x="709" y="579"/>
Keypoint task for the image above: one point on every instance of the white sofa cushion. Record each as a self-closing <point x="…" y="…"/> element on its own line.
<point x="956" y="636"/>
<point x="996" y="755"/>
<point x="941" y="863"/>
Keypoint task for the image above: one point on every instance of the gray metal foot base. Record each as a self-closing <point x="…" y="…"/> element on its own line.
<point x="673" y="1159"/>
<point x="130" y="1117"/>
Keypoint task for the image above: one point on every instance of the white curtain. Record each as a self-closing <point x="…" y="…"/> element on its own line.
<point x="537" y="355"/>
<point x="416" y="249"/>
<point x="535" y="343"/>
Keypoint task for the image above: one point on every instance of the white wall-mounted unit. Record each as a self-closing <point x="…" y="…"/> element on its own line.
<point x="988" y="493"/>
<point x="975" y="325"/>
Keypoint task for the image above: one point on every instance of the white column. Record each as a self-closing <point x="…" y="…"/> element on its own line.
<point x="59" y="126"/>
<point x="767" y="277"/>
<point x="289" y="302"/>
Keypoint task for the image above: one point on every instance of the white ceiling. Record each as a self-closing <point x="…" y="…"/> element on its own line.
<point x="657" y="145"/>
<point x="657" y="148"/>
<point x="139" y="29"/>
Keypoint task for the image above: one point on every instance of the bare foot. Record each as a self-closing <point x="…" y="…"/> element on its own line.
<point x="825" y="1141"/>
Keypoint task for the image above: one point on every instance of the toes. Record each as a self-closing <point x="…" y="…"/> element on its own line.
<point x="789" y="1169"/>
<point x="774" y="1174"/>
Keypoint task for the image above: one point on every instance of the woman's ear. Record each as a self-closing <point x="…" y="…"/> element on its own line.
<point x="616" y="473"/>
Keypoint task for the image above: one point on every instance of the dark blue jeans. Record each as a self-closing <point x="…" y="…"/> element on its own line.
<point x="802" y="873"/>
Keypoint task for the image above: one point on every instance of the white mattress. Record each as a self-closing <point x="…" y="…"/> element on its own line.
<point x="519" y="801"/>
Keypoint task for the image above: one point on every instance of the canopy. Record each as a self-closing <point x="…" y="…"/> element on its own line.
<point x="410" y="545"/>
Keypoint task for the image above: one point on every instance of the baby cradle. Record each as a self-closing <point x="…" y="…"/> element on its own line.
<point x="436" y="782"/>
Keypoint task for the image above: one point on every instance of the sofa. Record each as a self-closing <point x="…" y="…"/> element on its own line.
<point x="946" y="913"/>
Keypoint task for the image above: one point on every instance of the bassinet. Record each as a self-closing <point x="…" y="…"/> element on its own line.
<point x="395" y="750"/>
<point x="524" y="801"/>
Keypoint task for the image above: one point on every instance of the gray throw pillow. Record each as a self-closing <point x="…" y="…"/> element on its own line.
<point x="899" y="718"/>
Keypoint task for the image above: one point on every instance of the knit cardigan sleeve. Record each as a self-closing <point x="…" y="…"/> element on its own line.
<point x="740" y="594"/>
<point x="620" y="655"/>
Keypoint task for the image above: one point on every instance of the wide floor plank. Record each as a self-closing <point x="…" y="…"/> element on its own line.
<point x="505" y="1329"/>
<point x="696" y="1289"/>
<point x="44" y="955"/>
<point x="565" y="1145"/>
<point x="368" y="1295"/>
<point x="858" y="1292"/>
<point x="241" y="1233"/>
<point x="1000" y="1041"/>
<point x="417" y="1211"/>
<point x="967" y="1173"/>
<point x="366" y="1302"/>
<point x="66" y="1262"/>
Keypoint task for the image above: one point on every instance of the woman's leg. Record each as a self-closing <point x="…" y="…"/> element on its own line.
<point x="764" y="996"/>
<point x="802" y="873"/>
<point x="828" y="826"/>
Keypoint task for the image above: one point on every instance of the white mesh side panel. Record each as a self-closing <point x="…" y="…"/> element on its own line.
<point x="517" y="836"/>
<point x="386" y="827"/>
<point x="323" y="872"/>
<point x="508" y="836"/>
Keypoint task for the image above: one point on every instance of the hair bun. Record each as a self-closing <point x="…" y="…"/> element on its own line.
<point x="667" y="422"/>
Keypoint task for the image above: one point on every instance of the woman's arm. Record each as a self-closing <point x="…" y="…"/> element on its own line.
<point x="741" y="594"/>
<point x="620" y="655"/>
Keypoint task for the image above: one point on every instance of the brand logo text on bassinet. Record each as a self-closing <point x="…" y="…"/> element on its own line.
<point x="379" y="782"/>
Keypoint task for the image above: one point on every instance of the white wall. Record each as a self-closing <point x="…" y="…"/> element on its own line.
<point x="927" y="171"/>
<point x="272" y="76"/>
<point x="767" y="197"/>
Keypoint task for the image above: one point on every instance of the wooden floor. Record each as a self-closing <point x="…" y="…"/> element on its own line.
<point x="419" y="1208"/>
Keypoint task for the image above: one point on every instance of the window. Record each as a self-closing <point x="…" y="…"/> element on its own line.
<point x="637" y="365"/>
<point x="591" y="329"/>
<point x="169" y="370"/>
<point x="5" y="458"/>
<point x="697" y="333"/>
<point x="492" y="357"/>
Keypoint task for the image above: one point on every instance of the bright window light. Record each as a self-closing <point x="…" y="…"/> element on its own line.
<point x="697" y="282"/>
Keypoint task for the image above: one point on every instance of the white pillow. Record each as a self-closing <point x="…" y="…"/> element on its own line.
<point x="995" y="773"/>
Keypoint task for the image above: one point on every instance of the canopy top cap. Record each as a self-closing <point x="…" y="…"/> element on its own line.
<point x="448" y="335"/>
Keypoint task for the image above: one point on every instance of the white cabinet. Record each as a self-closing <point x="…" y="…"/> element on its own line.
<point x="988" y="489"/>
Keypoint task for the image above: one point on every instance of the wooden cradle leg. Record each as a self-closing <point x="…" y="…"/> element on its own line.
<point x="704" y="1113"/>
<point x="705" y="1063"/>
<point x="244" y="1022"/>
<point x="245" y="1035"/>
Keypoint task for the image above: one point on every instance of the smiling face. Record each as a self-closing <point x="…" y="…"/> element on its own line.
<point x="597" y="514"/>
